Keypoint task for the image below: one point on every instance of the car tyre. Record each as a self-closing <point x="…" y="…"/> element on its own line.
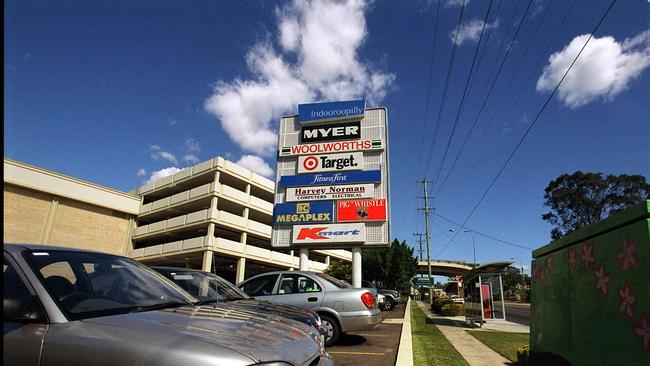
<point x="389" y="304"/>
<point x="333" y="332"/>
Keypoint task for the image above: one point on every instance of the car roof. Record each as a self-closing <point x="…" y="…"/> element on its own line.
<point x="167" y="268"/>
<point x="16" y="248"/>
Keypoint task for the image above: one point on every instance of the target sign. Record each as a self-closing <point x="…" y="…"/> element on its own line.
<point x="310" y="163"/>
<point x="330" y="162"/>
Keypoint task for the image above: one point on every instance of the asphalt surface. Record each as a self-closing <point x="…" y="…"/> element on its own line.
<point x="518" y="313"/>
<point x="372" y="347"/>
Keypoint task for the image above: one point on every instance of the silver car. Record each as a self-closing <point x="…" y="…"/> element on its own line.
<point x="341" y="308"/>
<point x="71" y="307"/>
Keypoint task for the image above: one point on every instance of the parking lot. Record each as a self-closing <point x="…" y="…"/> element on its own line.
<point x="376" y="347"/>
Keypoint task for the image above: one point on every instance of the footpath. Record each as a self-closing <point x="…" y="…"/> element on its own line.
<point x="473" y="351"/>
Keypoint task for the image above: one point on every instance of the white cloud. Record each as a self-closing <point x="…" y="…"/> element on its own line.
<point x="471" y="30"/>
<point x="141" y="172"/>
<point x="163" y="173"/>
<point x="255" y="164"/>
<point x="190" y="159"/>
<point x="192" y="145"/>
<point x="323" y="37"/>
<point x="604" y="69"/>
<point x="157" y="154"/>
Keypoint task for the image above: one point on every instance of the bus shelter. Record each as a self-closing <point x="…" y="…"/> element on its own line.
<point x="484" y="293"/>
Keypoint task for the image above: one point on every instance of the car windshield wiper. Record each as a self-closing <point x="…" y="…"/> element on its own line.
<point x="162" y="305"/>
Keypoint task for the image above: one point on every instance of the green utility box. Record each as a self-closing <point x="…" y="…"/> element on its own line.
<point x="591" y="294"/>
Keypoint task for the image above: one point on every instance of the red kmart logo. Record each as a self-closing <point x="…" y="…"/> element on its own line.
<point x="318" y="233"/>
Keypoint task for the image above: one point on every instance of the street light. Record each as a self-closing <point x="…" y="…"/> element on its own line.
<point x="521" y="260"/>
<point x="473" y="244"/>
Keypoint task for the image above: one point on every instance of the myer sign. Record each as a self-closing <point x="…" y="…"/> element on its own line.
<point x="316" y="112"/>
<point x="339" y="131"/>
<point x="330" y="162"/>
<point x="317" y="193"/>
<point x="334" y="233"/>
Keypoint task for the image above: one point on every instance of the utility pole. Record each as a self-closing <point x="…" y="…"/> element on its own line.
<point x="428" y="234"/>
<point x="419" y="235"/>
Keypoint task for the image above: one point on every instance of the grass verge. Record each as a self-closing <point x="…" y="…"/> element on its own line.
<point x="430" y="347"/>
<point x="504" y="343"/>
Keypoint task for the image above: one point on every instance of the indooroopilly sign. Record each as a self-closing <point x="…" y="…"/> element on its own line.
<point x="316" y="112"/>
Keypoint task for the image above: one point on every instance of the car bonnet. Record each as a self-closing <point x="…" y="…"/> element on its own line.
<point x="262" y="338"/>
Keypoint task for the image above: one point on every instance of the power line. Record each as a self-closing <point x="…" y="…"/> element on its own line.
<point x="465" y="91"/>
<point x="487" y="97"/>
<point x="532" y="124"/>
<point x="518" y="95"/>
<point x="426" y="113"/>
<point x="444" y="93"/>
<point x="481" y="234"/>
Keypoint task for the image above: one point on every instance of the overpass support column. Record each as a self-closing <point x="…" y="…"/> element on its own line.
<point x="356" y="267"/>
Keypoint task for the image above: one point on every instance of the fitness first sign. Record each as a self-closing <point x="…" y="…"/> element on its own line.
<point x="333" y="153"/>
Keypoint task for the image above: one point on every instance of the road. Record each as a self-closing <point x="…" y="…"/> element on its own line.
<point x="518" y="313"/>
<point x="372" y="347"/>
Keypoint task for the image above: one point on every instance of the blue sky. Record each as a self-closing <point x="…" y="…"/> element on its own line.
<point x="115" y="91"/>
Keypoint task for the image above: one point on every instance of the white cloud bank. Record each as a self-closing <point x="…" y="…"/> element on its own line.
<point x="157" y="153"/>
<point x="471" y="30"/>
<point x="323" y="37"/>
<point x="162" y="173"/>
<point x="605" y="68"/>
<point x="255" y="164"/>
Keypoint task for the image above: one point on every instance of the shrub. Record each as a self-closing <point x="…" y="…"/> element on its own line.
<point x="438" y="304"/>
<point x="453" y="310"/>
<point x="523" y="356"/>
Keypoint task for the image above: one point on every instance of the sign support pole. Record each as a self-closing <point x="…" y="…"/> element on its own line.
<point x="304" y="259"/>
<point x="356" y="267"/>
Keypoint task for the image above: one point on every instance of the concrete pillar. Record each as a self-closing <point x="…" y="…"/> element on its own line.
<point x="210" y="235"/>
<point x="304" y="259"/>
<point x="241" y="270"/>
<point x="327" y="260"/>
<point x="356" y="267"/>
<point x="207" y="261"/>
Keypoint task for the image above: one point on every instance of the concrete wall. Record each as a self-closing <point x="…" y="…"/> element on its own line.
<point x="39" y="218"/>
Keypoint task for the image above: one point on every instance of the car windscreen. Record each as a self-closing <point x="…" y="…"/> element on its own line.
<point x="336" y="282"/>
<point x="86" y="284"/>
<point x="205" y="286"/>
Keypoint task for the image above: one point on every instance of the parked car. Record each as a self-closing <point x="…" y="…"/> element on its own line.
<point x="392" y="298"/>
<point x="341" y="307"/>
<point x="381" y="301"/>
<point x="71" y="307"/>
<point x="212" y="289"/>
<point x="457" y="299"/>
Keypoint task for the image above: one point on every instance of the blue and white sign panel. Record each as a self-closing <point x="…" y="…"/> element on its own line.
<point x="303" y="213"/>
<point x="370" y="178"/>
<point x="318" y="112"/>
<point x="302" y="180"/>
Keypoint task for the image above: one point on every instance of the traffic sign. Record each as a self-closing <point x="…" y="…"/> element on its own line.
<point x="421" y="281"/>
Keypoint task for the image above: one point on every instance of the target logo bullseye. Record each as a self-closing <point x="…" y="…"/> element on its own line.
<point x="310" y="163"/>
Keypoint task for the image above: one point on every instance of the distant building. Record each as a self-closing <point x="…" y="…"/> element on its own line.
<point x="215" y="216"/>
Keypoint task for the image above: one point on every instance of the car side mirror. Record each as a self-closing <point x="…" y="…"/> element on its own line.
<point x="22" y="310"/>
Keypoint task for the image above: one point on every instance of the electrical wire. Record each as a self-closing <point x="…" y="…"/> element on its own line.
<point x="531" y="125"/>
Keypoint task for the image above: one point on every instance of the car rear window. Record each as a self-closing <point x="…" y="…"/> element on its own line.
<point x="336" y="282"/>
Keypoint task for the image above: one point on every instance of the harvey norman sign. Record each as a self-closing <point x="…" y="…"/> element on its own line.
<point x="348" y="191"/>
<point x="330" y="162"/>
<point x="333" y="233"/>
<point x="317" y="112"/>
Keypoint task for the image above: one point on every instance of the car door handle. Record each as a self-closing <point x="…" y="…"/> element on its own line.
<point x="312" y="299"/>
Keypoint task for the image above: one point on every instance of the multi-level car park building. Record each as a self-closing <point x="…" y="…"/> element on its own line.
<point x="215" y="216"/>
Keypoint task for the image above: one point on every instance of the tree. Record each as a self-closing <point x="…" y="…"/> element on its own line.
<point x="581" y="199"/>
<point x="391" y="267"/>
<point x="340" y="270"/>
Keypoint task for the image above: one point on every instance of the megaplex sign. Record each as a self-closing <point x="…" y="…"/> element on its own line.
<point x="303" y="213"/>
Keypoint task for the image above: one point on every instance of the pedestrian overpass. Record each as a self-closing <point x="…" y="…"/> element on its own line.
<point x="448" y="268"/>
